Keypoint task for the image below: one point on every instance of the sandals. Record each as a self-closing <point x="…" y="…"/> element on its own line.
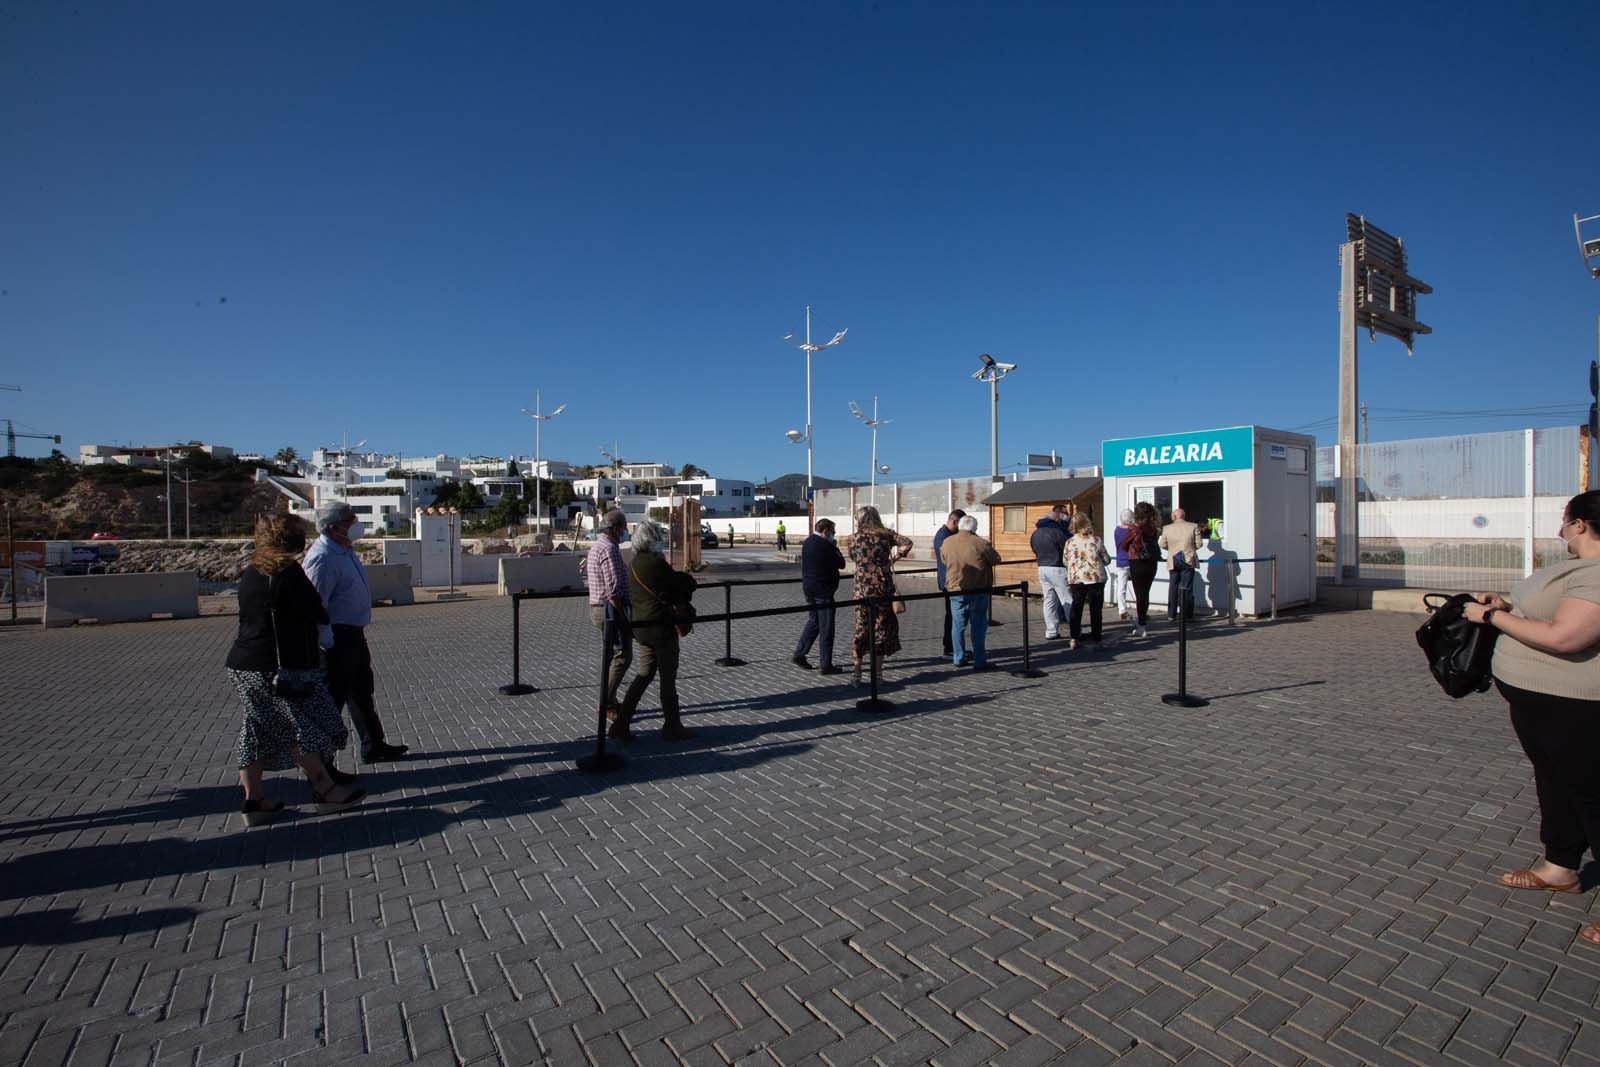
<point x="1526" y="879"/>
<point x="257" y="812"/>
<point x="323" y="805"/>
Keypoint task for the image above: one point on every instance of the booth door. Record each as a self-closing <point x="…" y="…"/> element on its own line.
<point x="1283" y="529"/>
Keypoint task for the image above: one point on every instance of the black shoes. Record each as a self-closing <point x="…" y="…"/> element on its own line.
<point x="800" y="661"/>
<point x="341" y="777"/>
<point x="257" y="812"/>
<point x="380" y="753"/>
<point x="830" y="669"/>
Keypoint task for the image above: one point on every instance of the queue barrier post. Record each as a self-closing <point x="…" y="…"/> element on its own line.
<point x="728" y="659"/>
<point x="516" y="688"/>
<point x="1028" y="669"/>
<point x="874" y="703"/>
<point x="601" y="761"/>
<point x="1183" y="698"/>
<point x="1274" y="558"/>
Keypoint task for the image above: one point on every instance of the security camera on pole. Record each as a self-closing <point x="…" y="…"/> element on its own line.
<point x="808" y="348"/>
<point x="992" y="371"/>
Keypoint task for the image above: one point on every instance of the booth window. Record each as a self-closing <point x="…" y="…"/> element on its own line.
<point x="1013" y="520"/>
<point x="1201" y="502"/>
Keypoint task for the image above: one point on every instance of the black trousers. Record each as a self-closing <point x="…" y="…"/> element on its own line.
<point x="351" y="683"/>
<point x="1180" y="582"/>
<point x="1142" y="572"/>
<point x="1560" y="735"/>
<point x="818" y="630"/>
<point x="1095" y="595"/>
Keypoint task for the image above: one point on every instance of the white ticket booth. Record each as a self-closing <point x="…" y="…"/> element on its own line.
<point x="1251" y="490"/>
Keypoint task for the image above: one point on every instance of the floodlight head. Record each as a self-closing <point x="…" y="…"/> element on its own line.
<point x="978" y="374"/>
<point x="837" y="338"/>
<point x="1588" y="247"/>
<point x="883" y="468"/>
<point x="856" y="411"/>
<point x="1005" y="368"/>
<point x="795" y="436"/>
<point x="988" y="360"/>
<point x="557" y="411"/>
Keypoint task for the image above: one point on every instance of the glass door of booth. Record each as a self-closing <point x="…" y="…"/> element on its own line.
<point x="1162" y="495"/>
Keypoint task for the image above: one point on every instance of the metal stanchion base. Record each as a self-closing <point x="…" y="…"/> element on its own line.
<point x="874" y="704"/>
<point x="1031" y="672"/>
<point x="601" y="762"/>
<point x="1184" y="700"/>
<point x="517" y="689"/>
<point x="729" y="661"/>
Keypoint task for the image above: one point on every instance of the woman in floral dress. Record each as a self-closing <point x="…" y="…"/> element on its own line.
<point x="873" y="550"/>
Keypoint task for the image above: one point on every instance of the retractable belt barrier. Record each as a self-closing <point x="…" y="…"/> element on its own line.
<point x="517" y="687"/>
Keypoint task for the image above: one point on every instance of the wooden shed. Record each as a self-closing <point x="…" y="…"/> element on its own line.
<point x="1018" y="506"/>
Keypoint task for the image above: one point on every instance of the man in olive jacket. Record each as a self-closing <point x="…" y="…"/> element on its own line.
<point x="655" y="589"/>
<point x="969" y="563"/>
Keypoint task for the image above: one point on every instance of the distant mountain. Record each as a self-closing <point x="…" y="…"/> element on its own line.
<point x="793" y="486"/>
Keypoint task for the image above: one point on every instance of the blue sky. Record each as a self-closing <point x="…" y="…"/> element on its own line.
<point x="272" y="225"/>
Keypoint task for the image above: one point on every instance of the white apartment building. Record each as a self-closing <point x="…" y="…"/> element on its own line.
<point x="146" y="455"/>
<point x="724" y="497"/>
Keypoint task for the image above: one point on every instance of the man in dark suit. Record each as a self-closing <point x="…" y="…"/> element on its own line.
<point x="820" y="564"/>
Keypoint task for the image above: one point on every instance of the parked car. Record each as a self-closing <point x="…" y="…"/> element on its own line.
<point x="101" y="536"/>
<point x="708" y="536"/>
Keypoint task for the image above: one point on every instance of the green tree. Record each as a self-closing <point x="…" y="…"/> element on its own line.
<point x="691" y="471"/>
<point x="511" y="468"/>
<point x="285" y="455"/>
<point x="468" y="498"/>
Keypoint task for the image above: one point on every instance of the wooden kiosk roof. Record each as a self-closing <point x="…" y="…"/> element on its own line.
<point x="1044" y="491"/>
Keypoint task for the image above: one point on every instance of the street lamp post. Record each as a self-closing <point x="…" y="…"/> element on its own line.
<point x="873" y="423"/>
<point x="169" y="493"/>
<point x="991" y="372"/>
<point x="539" y="419"/>
<point x="808" y="348"/>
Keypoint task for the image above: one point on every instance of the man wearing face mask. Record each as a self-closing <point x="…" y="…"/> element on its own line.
<point x="336" y="571"/>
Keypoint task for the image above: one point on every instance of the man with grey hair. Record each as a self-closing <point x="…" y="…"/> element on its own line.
<point x="607" y="582"/>
<point x="341" y="580"/>
<point x="969" y="563"/>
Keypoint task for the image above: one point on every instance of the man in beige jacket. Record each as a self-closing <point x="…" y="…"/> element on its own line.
<point x="1181" y="541"/>
<point x="969" y="563"/>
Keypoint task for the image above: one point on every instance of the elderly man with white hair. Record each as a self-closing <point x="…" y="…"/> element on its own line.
<point x="341" y="580"/>
<point x="969" y="563"/>
<point x="662" y="600"/>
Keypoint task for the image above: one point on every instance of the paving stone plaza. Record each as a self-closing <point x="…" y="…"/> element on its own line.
<point x="1001" y="869"/>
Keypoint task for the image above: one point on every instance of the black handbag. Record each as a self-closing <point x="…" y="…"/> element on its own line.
<point x="1459" y="652"/>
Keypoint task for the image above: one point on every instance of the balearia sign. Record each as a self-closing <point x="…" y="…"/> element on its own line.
<point x="1180" y="453"/>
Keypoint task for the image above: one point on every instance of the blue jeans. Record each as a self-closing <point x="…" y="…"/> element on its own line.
<point x="819" y="627"/>
<point x="969" y="611"/>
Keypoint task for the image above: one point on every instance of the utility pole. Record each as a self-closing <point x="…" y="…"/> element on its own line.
<point x="187" y="510"/>
<point x="169" y="492"/>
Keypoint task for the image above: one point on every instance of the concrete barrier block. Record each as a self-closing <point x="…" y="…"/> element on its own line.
<point x="121" y="597"/>
<point x="540" y="574"/>
<point x="479" y="570"/>
<point x="390" y="582"/>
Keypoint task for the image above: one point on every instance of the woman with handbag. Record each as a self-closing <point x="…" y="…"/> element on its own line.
<point x="1086" y="558"/>
<point x="663" y="609"/>
<point x="1139" y="544"/>
<point x="276" y="666"/>
<point x="874" y="548"/>
<point x="1547" y="666"/>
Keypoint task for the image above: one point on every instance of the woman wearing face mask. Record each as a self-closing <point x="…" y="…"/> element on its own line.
<point x="279" y="612"/>
<point x="1547" y="666"/>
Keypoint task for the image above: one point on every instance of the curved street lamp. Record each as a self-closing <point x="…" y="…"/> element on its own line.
<point x="539" y="419"/>
<point x="808" y="348"/>
<point x="872" y="423"/>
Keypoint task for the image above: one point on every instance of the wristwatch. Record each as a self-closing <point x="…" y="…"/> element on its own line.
<point x="1488" y="615"/>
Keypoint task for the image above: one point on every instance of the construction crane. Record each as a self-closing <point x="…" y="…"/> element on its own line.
<point x="12" y="434"/>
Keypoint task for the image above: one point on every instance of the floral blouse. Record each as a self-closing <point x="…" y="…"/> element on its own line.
<point x="1086" y="560"/>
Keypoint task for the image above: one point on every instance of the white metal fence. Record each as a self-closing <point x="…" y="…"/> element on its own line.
<point x="1477" y="511"/>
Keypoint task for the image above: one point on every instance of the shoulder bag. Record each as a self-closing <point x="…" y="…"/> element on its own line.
<point x="682" y="614"/>
<point x="291" y="683"/>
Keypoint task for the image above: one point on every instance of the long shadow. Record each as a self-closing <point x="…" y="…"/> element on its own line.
<point x="185" y="803"/>
<point x="1267" y="689"/>
<point x="61" y="926"/>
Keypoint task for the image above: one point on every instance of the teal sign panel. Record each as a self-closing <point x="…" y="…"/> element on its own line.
<point x="1232" y="449"/>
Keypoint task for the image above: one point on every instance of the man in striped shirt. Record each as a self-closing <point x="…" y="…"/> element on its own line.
<point x="607" y="581"/>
